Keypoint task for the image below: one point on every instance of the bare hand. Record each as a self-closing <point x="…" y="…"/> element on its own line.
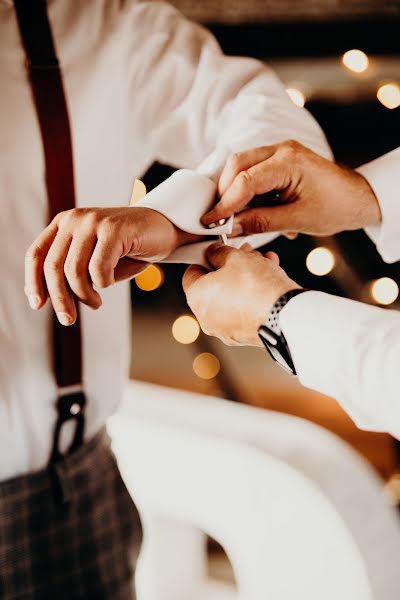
<point x="87" y="247"/>
<point x="232" y="302"/>
<point x="317" y="197"/>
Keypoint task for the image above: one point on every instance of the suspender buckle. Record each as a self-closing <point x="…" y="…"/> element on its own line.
<point x="70" y="406"/>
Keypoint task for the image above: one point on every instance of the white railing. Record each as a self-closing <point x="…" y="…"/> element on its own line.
<point x="299" y="514"/>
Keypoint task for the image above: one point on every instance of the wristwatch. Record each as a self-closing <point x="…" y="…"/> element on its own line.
<point x="271" y="334"/>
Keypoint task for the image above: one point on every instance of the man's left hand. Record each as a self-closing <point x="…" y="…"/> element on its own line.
<point x="233" y="301"/>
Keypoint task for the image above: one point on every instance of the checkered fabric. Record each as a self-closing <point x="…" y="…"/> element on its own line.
<point x="70" y="532"/>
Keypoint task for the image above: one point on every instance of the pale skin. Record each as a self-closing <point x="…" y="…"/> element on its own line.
<point x="232" y="301"/>
<point x="317" y="197"/>
<point x="86" y="249"/>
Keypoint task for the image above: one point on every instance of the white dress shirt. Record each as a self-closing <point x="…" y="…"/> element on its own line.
<point x="142" y="84"/>
<point x="349" y="350"/>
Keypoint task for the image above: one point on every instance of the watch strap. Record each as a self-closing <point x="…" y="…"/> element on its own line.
<point x="272" y="321"/>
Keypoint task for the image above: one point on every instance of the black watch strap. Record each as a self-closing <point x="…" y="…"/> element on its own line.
<point x="271" y="334"/>
<point x="272" y="321"/>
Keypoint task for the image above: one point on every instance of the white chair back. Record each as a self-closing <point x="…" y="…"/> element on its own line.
<point x="196" y="465"/>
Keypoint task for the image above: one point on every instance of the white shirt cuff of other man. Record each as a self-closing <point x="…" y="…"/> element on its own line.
<point x="349" y="350"/>
<point x="342" y="348"/>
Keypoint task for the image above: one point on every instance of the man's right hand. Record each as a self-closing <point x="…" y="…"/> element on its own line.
<point x="317" y="197"/>
<point x="87" y="248"/>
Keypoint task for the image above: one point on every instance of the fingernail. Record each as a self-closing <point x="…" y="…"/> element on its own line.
<point x="237" y="230"/>
<point x="64" y="318"/>
<point x="217" y="223"/>
<point x="34" y="301"/>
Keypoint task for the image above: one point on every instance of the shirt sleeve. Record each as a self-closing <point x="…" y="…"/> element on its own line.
<point x="197" y="106"/>
<point x="350" y="351"/>
<point x="383" y="175"/>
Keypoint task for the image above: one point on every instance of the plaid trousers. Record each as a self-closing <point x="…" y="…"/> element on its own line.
<point x="69" y="532"/>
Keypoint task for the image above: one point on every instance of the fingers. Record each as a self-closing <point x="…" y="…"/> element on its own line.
<point x="35" y="285"/>
<point x="191" y="275"/>
<point x="246" y="247"/>
<point x="240" y="162"/>
<point x="263" y="220"/>
<point x="77" y="270"/>
<point x="272" y="256"/>
<point x="105" y="258"/>
<point x="262" y="178"/>
<point x="217" y="254"/>
<point x="57" y="286"/>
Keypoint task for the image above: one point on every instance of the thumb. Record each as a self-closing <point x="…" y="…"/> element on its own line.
<point x="128" y="268"/>
<point x="191" y="276"/>
<point x="217" y="254"/>
<point x="265" y="220"/>
<point x="270" y="175"/>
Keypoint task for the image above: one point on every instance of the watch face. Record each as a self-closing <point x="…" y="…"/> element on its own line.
<point x="278" y="358"/>
<point x="277" y="349"/>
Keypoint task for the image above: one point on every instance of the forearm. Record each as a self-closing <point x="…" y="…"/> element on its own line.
<point x="212" y="106"/>
<point x="349" y="351"/>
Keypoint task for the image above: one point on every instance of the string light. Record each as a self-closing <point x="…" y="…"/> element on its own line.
<point x="320" y="261"/>
<point x="355" y="60"/>
<point x="206" y="365"/>
<point x="186" y="329"/>
<point x="384" y="290"/>
<point x="389" y="95"/>
<point x="296" y="96"/>
<point x="151" y="279"/>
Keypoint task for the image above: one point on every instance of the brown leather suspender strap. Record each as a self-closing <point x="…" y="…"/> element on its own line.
<point x="47" y="88"/>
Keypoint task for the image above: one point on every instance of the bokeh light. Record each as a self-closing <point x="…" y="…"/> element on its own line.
<point x="151" y="279"/>
<point x="384" y="290"/>
<point x="320" y="261"/>
<point x="355" y="60"/>
<point x="389" y="95"/>
<point x="296" y="96"/>
<point x="186" y="329"/>
<point x="206" y="365"/>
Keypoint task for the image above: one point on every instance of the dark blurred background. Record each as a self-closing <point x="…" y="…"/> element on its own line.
<point x="355" y="96"/>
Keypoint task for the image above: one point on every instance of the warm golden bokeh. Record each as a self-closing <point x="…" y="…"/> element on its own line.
<point x="151" y="279"/>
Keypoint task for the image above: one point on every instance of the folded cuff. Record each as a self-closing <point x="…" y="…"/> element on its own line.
<point x="184" y="198"/>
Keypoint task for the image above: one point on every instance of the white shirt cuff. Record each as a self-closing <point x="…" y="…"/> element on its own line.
<point x="383" y="175"/>
<point x="318" y="328"/>
<point x="184" y="198"/>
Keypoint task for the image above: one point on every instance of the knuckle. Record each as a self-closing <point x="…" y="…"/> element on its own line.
<point x="68" y="216"/>
<point x="33" y="253"/>
<point x="52" y="265"/>
<point x="235" y="161"/>
<point x="91" y="219"/>
<point x="259" y="224"/>
<point x="291" y="149"/>
<point x="244" y="182"/>
<point x="99" y="275"/>
<point x="74" y="269"/>
<point x="106" y="223"/>
<point x="58" y="300"/>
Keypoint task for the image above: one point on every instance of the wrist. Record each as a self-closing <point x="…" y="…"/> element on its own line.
<point x="183" y="237"/>
<point x="372" y="210"/>
<point x="281" y="290"/>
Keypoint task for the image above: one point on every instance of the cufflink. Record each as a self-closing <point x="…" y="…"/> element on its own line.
<point x="217" y="224"/>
